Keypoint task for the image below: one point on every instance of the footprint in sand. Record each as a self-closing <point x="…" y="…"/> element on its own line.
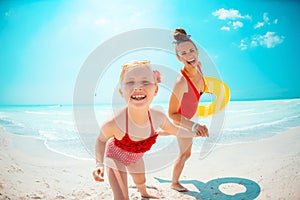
<point x="14" y="169"/>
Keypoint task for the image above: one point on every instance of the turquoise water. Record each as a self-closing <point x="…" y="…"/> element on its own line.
<point x="54" y="124"/>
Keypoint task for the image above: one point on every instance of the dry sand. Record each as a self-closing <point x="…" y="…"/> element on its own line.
<point x="265" y="169"/>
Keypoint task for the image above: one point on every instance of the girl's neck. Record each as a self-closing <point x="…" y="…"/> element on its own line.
<point x="138" y="115"/>
<point x="192" y="71"/>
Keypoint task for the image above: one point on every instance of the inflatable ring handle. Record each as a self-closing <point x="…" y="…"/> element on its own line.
<point x="220" y="90"/>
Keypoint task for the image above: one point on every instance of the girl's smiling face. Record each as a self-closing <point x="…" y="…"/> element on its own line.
<point x="138" y="86"/>
<point x="187" y="53"/>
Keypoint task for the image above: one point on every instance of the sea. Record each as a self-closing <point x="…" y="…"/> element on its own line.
<point x="242" y="121"/>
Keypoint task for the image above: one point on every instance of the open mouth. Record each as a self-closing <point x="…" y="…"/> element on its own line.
<point x="138" y="97"/>
<point x="191" y="62"/>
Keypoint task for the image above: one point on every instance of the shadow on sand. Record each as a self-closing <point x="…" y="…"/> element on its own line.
<point x="211" y="190"/>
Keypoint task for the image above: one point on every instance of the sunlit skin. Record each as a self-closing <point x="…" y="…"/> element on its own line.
<point x="138" y="87"/>
<point x="186" y="53"/>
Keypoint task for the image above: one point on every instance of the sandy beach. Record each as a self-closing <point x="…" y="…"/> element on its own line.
<point x="265" y="169"/>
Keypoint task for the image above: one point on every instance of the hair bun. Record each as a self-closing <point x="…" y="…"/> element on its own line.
<point x="179" y="34"/>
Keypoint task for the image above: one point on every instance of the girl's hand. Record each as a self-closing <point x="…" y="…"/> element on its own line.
<point x="201" y="131"/>
<point x="98" y="174"/>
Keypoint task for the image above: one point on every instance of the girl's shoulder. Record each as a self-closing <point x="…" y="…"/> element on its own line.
<point x="156" y="112"/>
<point x="180" y="79"/>
<point x="116" y="123"/>
<point x="158" y="116"/>
<point x="180" y="84"/>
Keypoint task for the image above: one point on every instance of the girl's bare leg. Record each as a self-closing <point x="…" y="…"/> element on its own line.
<point x="185" y="146"/>
<point x="117" y="176"/>
<point x="137" y="172"/>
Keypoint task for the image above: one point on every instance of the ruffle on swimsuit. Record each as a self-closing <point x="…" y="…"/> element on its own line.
<point x="135" y="146"/>
<point x="127" y="150"/>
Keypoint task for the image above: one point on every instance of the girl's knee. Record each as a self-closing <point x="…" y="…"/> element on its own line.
<point x="185" y="156"/>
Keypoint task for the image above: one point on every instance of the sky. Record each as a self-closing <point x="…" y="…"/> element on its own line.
<point x="44" y="43"/>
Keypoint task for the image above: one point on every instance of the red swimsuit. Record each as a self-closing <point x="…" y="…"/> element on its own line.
<point x="127" y="150"/>
<point x="190" y="99"/>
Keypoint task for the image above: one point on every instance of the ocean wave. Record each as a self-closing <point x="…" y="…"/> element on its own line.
<point x="231" y="111"/>
<point x="50" y="113"/>
<point x="70" y="148"/>
<point x="3" y="115"/>
<point x="64" y="122"/>
<point x="5" y="122"/>
<point x="58" y="136"/>
<point x="263" y="125"/>
<point x="49" y="135"/>
<point x="10" y="123"/>
<point x="259" y="113"/>
<point x="17" y="128"/>
<point x="37" y="112"/>
<point x="244" y="121"/>
<point x="54" y="106"/>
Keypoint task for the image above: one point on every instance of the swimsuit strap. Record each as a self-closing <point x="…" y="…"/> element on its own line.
<point x="152" y="129"/>
<point x="190" y="83"/>
<point x="150" y="119"/>
<point x="126" y="121"/>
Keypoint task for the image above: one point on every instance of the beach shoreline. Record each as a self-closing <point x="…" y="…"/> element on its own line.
<point x="31" y="171"/>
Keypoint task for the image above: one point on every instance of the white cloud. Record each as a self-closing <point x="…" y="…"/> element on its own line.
<point x="258" y="25"/>
<point x="248" y="17"/>
<point x="266" y="18"/>
<point x="269" y="40"/>
<point x="243" y="46"/>
<point x="266" y="21"/>
<point x="254" y="43"/>
<point x="225" y="28"/>
<point x="237" y="24"/>
<point x="235" y="20"/>
<point x="232" y="14"/>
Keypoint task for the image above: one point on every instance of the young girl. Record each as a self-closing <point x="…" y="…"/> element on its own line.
<point x="133" y="131"/>
<point x="184" y="99"/>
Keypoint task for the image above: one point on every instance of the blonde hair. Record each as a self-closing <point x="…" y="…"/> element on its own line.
<point x="133" y="64"/>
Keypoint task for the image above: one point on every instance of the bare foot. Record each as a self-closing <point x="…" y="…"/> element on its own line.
<point x="142" y="189"/>
<point x="151" y="196"/>
<point x="147" y="186"/>
<point x="178" y="187"/>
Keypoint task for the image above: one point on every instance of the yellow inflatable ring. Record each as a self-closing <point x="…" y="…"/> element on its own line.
<point x="220" y="90"/>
